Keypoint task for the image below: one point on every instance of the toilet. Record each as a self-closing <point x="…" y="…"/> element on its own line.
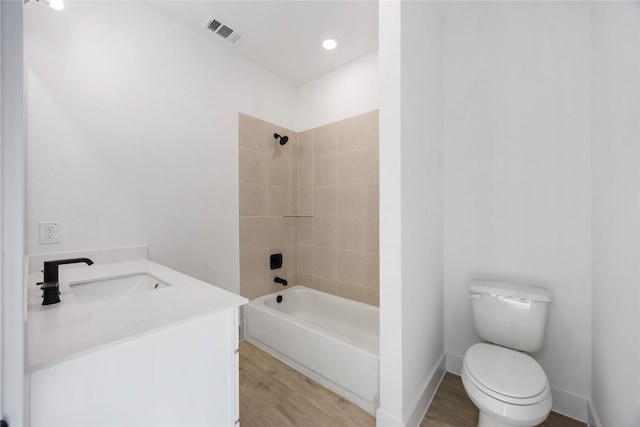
<point x="507" y="385"/>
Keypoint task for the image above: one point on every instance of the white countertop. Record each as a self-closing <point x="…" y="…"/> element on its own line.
<point x="67" y="329"/>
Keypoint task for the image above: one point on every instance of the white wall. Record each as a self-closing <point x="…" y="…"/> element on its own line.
<point x="12" y="205"/>
<point x="517" y="171"/>
<point x="616" y="214"/>
<point x="132" y="133"/>
<point x="411" y="202"/>
<point x="346" y="92"/>
<point x="422" y="204"/>
<point x="390" y="411"/>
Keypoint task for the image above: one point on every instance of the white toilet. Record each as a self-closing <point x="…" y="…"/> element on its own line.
<point x="508" y="386"/>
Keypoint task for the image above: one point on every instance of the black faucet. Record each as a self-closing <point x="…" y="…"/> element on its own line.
<point x="50" y="286"/>
<point x="282" y="281"/>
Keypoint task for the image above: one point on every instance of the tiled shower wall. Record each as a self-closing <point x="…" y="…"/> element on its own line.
<point x="338" y="185"/>
<point x="327" y="178"/>
<point x="268" y="191"/>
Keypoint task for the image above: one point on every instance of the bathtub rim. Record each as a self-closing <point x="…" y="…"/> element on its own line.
<point x="306" y="288"/>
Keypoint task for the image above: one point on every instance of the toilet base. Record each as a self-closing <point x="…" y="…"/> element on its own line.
<point x="485" y="420"/>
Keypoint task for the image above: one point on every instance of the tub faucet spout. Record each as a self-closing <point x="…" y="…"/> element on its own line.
<point x="283" y="282"/>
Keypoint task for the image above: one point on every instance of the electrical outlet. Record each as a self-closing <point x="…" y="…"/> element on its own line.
<point x="49" y="232"/>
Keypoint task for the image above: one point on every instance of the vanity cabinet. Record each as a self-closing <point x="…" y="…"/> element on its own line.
<point x="181" y="374"/>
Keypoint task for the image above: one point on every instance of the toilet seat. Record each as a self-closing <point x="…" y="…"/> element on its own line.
<point x="505" y="374"/>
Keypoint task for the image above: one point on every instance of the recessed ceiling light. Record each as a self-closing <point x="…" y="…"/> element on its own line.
<point x="329" y="44"/>
<point x="56" y="4"/>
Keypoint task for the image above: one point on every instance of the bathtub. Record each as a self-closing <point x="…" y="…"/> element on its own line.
<point x="333" y="340"/>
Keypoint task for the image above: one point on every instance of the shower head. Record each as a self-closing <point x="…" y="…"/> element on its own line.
<point x="283" y="138"/>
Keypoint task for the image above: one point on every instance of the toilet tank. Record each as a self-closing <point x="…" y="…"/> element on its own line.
<point x="510" y="314"/>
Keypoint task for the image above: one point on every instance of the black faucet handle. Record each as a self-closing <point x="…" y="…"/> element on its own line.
<point x="49" y="285"/>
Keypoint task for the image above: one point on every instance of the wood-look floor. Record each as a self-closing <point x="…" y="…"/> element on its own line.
<point x="272" y="394"/>
<point x="452" y="407"/>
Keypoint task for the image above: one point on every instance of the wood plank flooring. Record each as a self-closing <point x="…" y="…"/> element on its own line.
<point x="273" y="394"/>
<point x="452" y="407"/>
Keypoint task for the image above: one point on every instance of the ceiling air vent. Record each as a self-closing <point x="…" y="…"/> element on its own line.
<point x="214" y="25"/>
<point x="225" y="31"/>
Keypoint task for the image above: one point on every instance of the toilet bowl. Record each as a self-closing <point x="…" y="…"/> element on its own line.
<point x="508" y="387"/>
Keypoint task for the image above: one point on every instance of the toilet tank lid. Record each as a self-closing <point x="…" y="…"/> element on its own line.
<point x="510" y="289"/>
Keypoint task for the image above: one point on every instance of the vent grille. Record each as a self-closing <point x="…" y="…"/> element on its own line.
<point x="233" y="38"/>
<point x="224" y="30"/>
<point x="214" y="25"/>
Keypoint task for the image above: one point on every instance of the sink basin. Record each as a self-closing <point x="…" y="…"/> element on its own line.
<point x="113" y="287"/>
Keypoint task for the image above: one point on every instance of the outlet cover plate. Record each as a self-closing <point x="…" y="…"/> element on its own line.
<point x="49" y="232"/>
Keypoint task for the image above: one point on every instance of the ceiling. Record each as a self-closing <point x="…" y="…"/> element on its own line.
<point x="286" y="37"/>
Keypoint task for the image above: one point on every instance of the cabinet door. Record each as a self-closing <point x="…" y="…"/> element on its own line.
<point x="181" y="375"/>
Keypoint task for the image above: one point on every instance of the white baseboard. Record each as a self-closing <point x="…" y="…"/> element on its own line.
<point x="385" y="419"/>
<point x="422" y="403"/>
<point x="564" y="402"/>
<point x="569" y="404"/>
<point x="454" y="363"/>
<point x="419" y="405"/>
<point x="593" y="419"/>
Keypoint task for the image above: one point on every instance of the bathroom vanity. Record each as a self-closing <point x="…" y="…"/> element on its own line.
<point x="131" y="343"/>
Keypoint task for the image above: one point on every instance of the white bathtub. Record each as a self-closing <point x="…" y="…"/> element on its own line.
<point x="333" y="340"/>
